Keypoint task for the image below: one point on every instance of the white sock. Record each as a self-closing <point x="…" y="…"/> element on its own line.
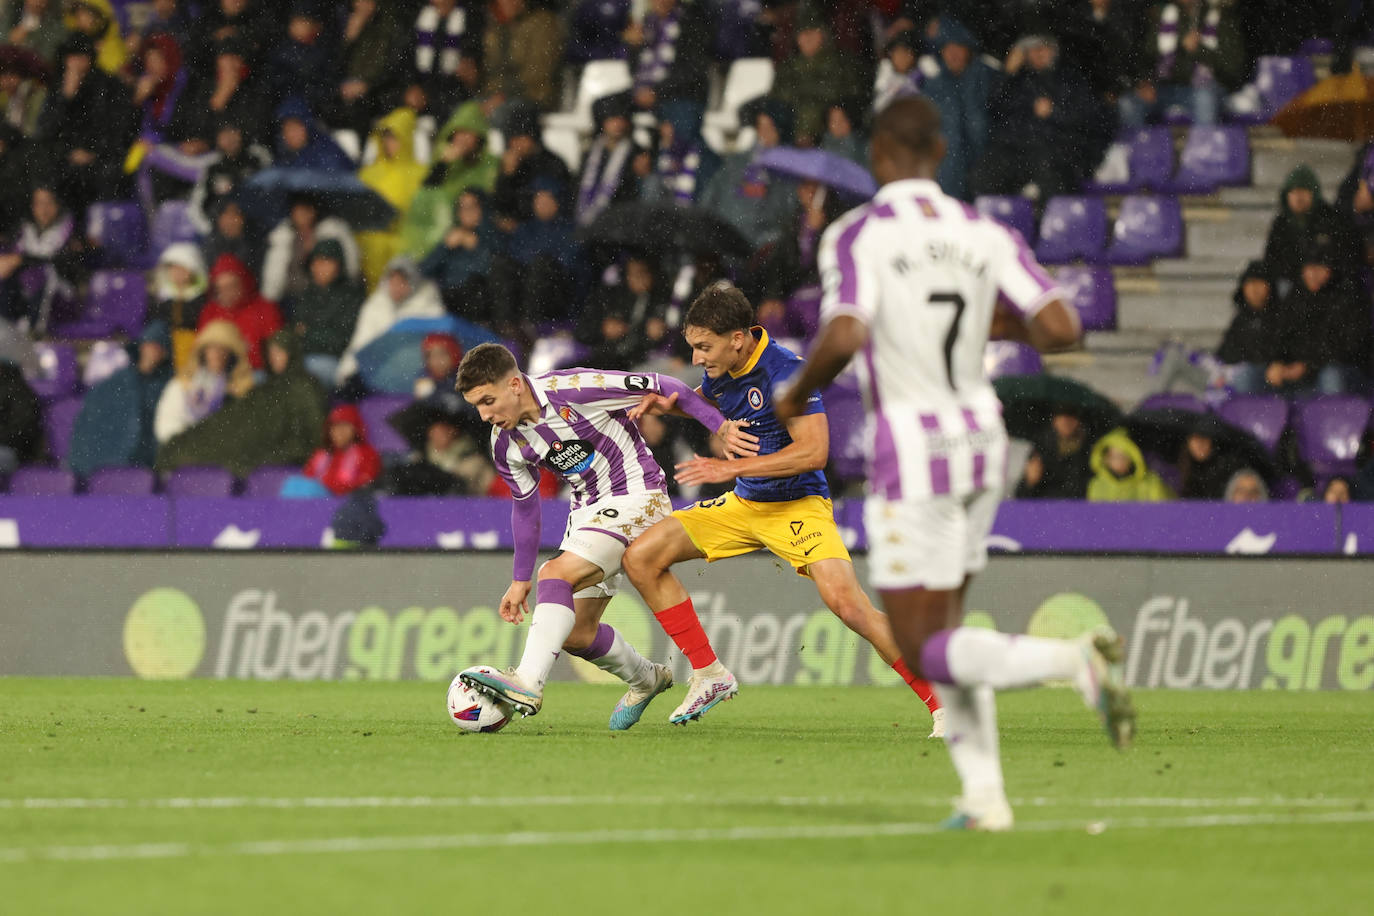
<point x="550" y="626"/>
<point x="971" y="736"/>
<point x="985" y="657"/>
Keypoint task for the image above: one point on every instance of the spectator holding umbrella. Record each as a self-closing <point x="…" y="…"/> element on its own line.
<point x="403" y="293"/>
<point x="347" y="461"/>
<point x="303" y="144"/>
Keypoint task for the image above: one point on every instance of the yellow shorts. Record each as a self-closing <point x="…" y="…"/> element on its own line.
<point x="800" y="531"/>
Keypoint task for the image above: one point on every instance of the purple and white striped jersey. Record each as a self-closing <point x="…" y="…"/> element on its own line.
<point x="584" y="434"/>
<point x="925" y="273"/>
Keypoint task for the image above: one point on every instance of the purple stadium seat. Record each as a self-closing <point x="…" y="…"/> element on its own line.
<point x="57" y="376"/>
<point x="1282" y="79"/>
<point x="1016" y="212"/>
<point x="1151" y="161"/>
<point x="1093" y="291"/>
<point x="171" y="223"/>
<point x="1148" y="228"/>
<point x="1212" y="157"/>
<point x="1329" y="432"/>
<point x="1262" y="416"/>
<point x="1175" y="400"/>
<point x="118" y="304"/>
<point x="1316" y="46"/>
<point x="844" y="408"/>
<point x="375" y="410"/>
<point x="118" y="228"/>
<point x="58" y="419"/>
<point x="121" y="482"/>
<point x="35" y="481"/>
<point x="205" y="481"/>
<point x="1072" y="228"/>
<point x="1010" y="357"/>
<point x="265" y="482"/>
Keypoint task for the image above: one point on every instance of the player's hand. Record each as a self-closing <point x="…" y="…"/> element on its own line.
<point x="653" y="404"/>
<point x="705" y="470"/>
<point x="789" y="403"/>
<point x="738" y="443"/>
<point x="515" y="603"/>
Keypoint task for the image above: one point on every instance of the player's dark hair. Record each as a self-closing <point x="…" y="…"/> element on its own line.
<point x="721" y="309"/>
<point x="484" y="364"/>
<point x="912" y="123"/>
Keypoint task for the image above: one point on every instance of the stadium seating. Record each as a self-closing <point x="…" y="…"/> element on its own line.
<point x="117" y="305"/>
<point x="1213" y="157"/>
<point x="58" y="419"/>
<point x="1093" y="291"/>
<point x="265" y="482"/>
<point x="39" y="481"/>
<point x="1149" y="227"/>
<point x="1264" y="417"/>
<point x="171" y="223"/>
<point x="749" y="78"/>
<point x="119" y="229"/>
<point x="1072" y="228"/>
<point x="1329" y="431"/>
<point x="599" y="78"/>
<point x="1174" y="400"/>
<point x="1278" y="80"/>
<point x="203" y="482"/>
<point x="58" y="375"/>
<point x="375" y="410"/>
<point x="1010" y="357"/>
<point x="121" y="482"/>
<point x="1016" y="212"/>
<point x="105" y="358"/>
<point x="1150" y="158"/>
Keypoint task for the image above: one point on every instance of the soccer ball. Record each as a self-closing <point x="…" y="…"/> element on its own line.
<point x="473" y="712"/>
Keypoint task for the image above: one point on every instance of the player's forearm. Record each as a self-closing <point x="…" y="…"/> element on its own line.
<point x="525" y="519"/>
<point x="840" y="339"/>
<point x="691" y="404"/>
<point x="797" y="458"/>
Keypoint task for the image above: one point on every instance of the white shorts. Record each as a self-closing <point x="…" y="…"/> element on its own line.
<point x="600" y="533"/>
<point x="929" y="543"/>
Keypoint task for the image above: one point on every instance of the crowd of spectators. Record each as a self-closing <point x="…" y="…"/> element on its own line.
<point x="254" y="328"/>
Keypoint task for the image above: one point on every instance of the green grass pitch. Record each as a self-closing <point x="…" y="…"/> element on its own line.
<point x="230" y="797"/>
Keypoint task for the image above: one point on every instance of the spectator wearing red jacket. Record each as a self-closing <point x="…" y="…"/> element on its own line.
<point x="348" y="462"/>
<point x="236" y="299"/>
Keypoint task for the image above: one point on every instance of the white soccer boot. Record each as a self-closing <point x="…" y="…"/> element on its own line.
<point x="714" y="685"/>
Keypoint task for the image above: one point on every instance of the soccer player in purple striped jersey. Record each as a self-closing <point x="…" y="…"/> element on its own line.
<point x="576" y="423"/>
<point x="917" y="282"/>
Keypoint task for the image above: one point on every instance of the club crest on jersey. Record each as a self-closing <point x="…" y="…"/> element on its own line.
<point x="567" y="414"/>
<point x="755" y="398"/>
<point x="571" y="457"/>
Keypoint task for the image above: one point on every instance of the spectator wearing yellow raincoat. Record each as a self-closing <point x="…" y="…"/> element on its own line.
<point x="397" y="176"/>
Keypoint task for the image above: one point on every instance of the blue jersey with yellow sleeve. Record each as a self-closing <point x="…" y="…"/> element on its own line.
<point x="748" y="395"/>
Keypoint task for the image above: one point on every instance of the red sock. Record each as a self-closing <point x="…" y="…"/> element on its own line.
<point x="683" y="626"/>
<point x="922" y="688"/>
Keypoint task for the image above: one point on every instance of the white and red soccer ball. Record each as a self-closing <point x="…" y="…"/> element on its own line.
<point x="473" y="712"/>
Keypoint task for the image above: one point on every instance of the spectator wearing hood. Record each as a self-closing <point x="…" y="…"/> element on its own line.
<point x="96" y="20"/>
<point x="1059" y="463"/>
<point x="623" y="323"/>
<point x="608" y="174"/>
<point x="229" y="234"/>
<point x="233" y="162"/>
<point x="843" y="123"/>
<point x="540" y="274"/>
<point x="1048" y="128"/>
<point x="1321" y="332"/>
<point x="278" y="423"/>
<point x="37" y="26"/>
<point x="904" y="74"/>
<point x="115" y="427"/>
<point x="180" y="285"/>
<point x="397" y="177"/>
<point x="683" y="164"/>
<point x="448" y="50"/>
<point x="347" y="461"/>
<point x="1120" y="474"/>
<point x="403" y="293"/>
<point x="372" y="51"/>
<point x="227" y="93"/>
<point x="305" y="61"/>
<point x="747" y="195"/>
<point x="442" y="354"/>
<point x="1204" y="466"/>
<point x="218" y="370"/>
<point x="303" y="144"/>
<point x="325" y="313"/>
<point x="1304" y="219"/>
<point x="23" y="92"/>
<point x="86" y="126"/>
<point x="1195" y="53"/>
<point x="289" y="245"/>
<point x="236" y="299"/>
<point x="962" y="91"/>
<point x="669" y="49"/>
<point x="1246" y="345"/>
<point x="523" y="51"/>
<point x="524" y="163"/>
<point x="463" y="259"/>
<point x="461" y="161"/>
<point x="21" y="419"/>
<point x="815" y="77"/>
<point x="1246" y="486"/>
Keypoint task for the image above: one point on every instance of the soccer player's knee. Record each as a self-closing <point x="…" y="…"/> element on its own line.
<point x="638" y="561"/>
<point x="582" y="636"/>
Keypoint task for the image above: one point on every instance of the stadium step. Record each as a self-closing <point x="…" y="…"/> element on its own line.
<point x="1274" y="159"/>
<point x="1165" y="313"/>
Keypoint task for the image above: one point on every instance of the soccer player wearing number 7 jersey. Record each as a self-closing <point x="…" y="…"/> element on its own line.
<point x="917" y="282"/>
<point x="576" y="423"/>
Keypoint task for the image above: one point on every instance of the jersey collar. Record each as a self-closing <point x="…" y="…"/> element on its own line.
<point x="539" y="398"/>
<point x="906" y="187"/>
<point x="761" y="336"/>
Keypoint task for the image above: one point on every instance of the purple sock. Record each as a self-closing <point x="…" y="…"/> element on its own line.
<point x="934" y="658"/>
<point x="555" y="591"/>
<point x="605" y="638"/>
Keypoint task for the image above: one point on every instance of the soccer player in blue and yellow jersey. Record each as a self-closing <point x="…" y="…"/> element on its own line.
<point x="780" y="502"/>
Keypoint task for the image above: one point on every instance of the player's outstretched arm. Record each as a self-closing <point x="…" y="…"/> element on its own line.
<point x="808" y="451"/>
<point x="674" y="397"/>
<point x="525" y="524"/>
<point x="841" y="338"/>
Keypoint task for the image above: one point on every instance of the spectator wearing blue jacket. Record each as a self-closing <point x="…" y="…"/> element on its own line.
<point x="540" y="274"/>
<point x="460" y="263"/>
<point x="962" y="90"/>
<point x="303" y="144"/>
